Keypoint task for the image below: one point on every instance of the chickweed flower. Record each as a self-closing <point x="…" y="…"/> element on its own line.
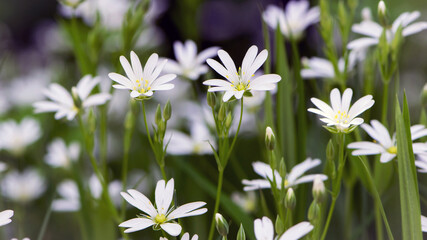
<point x="5" y="217"/>
<point x="292" y="179"/>
<point x="423" y="223"/>
<point x="160" y="216"/>
<point x="15" y="137"/>
<point x="316" y="67"/>
<point x="318" y="189"/>
<point x="142" y="83"/>
<point x="264" y="230"/>
<point x="384" y="144"/>
<point x="421" y="162"/>
<point x="69" y="105"/>
<point x="189" y="64"/>
<point x="294" y="20"/>
<point x="59" y="155"/>
<point x="186" y="236"/>
<point x="239" y="82"/>
<point x="341" y="117"/>
<point x="23" y="187"/>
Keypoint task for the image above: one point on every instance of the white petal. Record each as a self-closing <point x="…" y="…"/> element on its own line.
<point x="346" y="99"/>
<point x="128" y="69"/>
<point x="150" y="65"/>
<point x="227" y="61"/>
<point x="414" y="28"/>
<point x="187" y="210"/>
<point x="227" y="95"/>
<point x="173" y="229"/>
<point x="218" y="67"/>
<point x="164" y="195"/>
<point x="308" y="178"/>
<point x="97" y="99"/>
<point x="360" y="106"/>
<point x="264" y="229"/>
<point x="362" y="43"/>
<point x="298" y="231"/>
<point x="301" y="168"/>
<point x="207" y="53"/>
<point x="136" y="65"/>
<point x="368" y="28"/>
<point x="136" y="224"/>
<point x="121" y="80"/>
<point x="139" y="201"/>
<point x="386" y="157"/>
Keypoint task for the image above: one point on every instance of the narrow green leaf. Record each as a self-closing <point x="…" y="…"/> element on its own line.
<point x="408" y="186"/>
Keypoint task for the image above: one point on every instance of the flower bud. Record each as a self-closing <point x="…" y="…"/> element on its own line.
<point x="279" y="226"/>
<point x="330" y="150"/>
<point x="228" y="121"/>
<point x="76" y="99"/>
<point x="290" y="199"/>
<point x="382" y="13"/>
<point x="158" y="116"/>
<point x="366" y="14"/>
<point x="211" y="99"/>
<point x="282" y="168"/>
<point x="221" y="112"/>
<point x="313" y="211"/>
<point x="318" y="189"/>
<point x="221" y="225"/>
<point x="167" y="111"/>
<point x="241" y="235"/>
<point x="270" y="140"/>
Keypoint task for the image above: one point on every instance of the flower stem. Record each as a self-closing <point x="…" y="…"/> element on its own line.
<point x="385" y="102"/>
<point x="336" y="186"/>
<point x="146" y="125"/>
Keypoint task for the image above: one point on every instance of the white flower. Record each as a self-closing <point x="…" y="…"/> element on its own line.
<point x="316" y="67"/>
<point x="423" y="223"/>
<point x="189" y="64"/>
<point x="340" y="114"/>
<point x="15" y="137"/>
<point x="373" y="30"/>
<point x="62" y="101"/>
<point x="59" y="155"/>
<point x="23" y="187"/>
<point x="5" y="217"/>
<point x="186" y="236"/>
<point x="22" y="239"/>
<point x="27" y="89"/>
<point x="421" y="162"/>
<point x="246" y="201"/>
<point x="385" y="145"/>
<point x="292" y="179"/>
<point x="142" y="83"/>
<point x="294" y="20"/>
<point x="239" y="82"/>
<point x="264" y="230"/>
<point x="161" y="216"/>
<point x="197" y="143"/>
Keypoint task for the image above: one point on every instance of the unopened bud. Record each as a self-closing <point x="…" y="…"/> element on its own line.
<point x="221" y="225"/>
<point x="91" y="121"/>
<point x="228" y="121"/>
<point x="282" y="168"/>
<point x="313" y="211"/>
<point x="241" y="235"/>
<point x="167" y="111"/>
<point x="211" y="99"/>
<point x="382" y="13"/>
<point x="76" y="99"/>
<point x="279" y="226"/>
<point x="270" y="140"/>
<point x="161" y="128"/>
<point x="330" y="150"/>
<point x="158" y="116"/>
<point x="222" y="112"/>
<point x="366" y="14"/>
<point x="318" y="189"/>
<point x="290" y="199"/>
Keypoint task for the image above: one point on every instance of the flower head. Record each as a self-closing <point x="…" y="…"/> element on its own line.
<point x="373" y="30"/>
<point x="142" y="83"/>
<point x="15" y="137"/>
<point x="59" y="155"/>
<point x="423" y="223"/>
<point x="69" y="105"/>
<point x="341" y="115"/>
<point x="189" y="64"/>
<point x="292" y="179"/>
<point x="316" y="67"/>
<point x="161" y="216"/>
<point x="239" y="82"/>
<point x="5" y="217"/>
<point x="294" y="20"/>
<point x="264" y="230"/>
<point x="384" y="144"/>
<point x="23" y="187"/>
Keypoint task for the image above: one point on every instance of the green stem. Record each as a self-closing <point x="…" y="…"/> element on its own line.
<point x="45" y="222"/>
<point x="103" y="139"/>
<point x="385" y="102"/>
<point x="146" y="125"/>
<point x="217" y="200"/>
<point x="378" y="224"/>
<point x="336" y="186"/>
<point x="126" y="147"/>
<point x="235" y="135"/>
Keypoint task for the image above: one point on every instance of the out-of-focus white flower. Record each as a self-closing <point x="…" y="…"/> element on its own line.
<point x="239" y="82"/>
<point x="423" y="223"/>
<point x="247" y="201"/>
<point x="114" y="189"/>
<point x="366" y="14"/>
<point x="373" y="30"/>
<point x="197" y="143"/>
<point x="385" y="145"/>
<point x="27" y="89"/>
<point x="15" y="137"/>
<point x="22" y="239"/>
<point x="294" y="20"/>
<point x="186" y="236"/>
<point x="264" y="230"/>
<point x="142" y="83"/>
<point x="292" y="179"/>
<point x="340" y="114"/>
<point x="161" y="216"/>
<point x="4" y="103"/>
<point x="62" y="101"/>
<point x="316" y="67"/>
<point x="59" y="155"/>
<point x="189" y="64"/>
<point x="421" y="162"/>
<point x="5" y="217"/>
<point x="23" y="187"/>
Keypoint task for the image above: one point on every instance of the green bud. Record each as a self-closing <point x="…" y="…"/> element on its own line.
<point x="161" y="128"/>
<point x="158" y="116"/>
<point x="241" y="235"/>
<point x="282" y="168"/>
<point x="318" y="191"/>
<point x="76" y="99"/>
<point x="211" y="98"/>
<point x="382" y="13"/>
<point x="222" y="112"/>
<point x="330" y="150"/>
<point x="221" y="225"/>
<point x="270" y="140"/>
<point x="279" y="226"/>
<point x="313" y="211"/>
<point x="91" y="121"/>
<point x="129" y="120"/>
<point x="396" y="43"/>
<point x="290" y="199"/>
<point x="228" y="121"/>
<point x="167" y="111"/>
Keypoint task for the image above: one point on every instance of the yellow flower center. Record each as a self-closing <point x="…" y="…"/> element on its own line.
<point x="342" y="117"/>
<point x="141" y="86"/>
<point x="286" y="183"/>
<point x="392" y="150"/>
<point x="160" y="218"/>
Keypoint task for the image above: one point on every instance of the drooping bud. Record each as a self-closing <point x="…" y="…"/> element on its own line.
<point x="158" y="116"/>
<point x="382" y="13"/>
<point x="221" y="225"/>
<point x="270" y="140"/>
<point x="290" y="199"/>
<point x="318" y="189"/>
<point x="241" y="235"/>
<point x="313" y="211"/>
<point x="167" y="111"/>
<point x="211" y="99"/>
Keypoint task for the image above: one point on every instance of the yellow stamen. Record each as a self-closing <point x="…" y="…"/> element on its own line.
<point x="392" y="150"/>
<point x="160" y="218"/>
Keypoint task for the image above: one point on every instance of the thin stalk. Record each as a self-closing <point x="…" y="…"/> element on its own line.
<point x="235" y="135"/>
<point x="217" y="200"/>
<point x="146" y="125"/>
<point x="337" y="184"/>
<point x="378" y="223"/>
<point x="103" y="139"/>
<point x="45" y="222"/>
<point x="385" y="102"/>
